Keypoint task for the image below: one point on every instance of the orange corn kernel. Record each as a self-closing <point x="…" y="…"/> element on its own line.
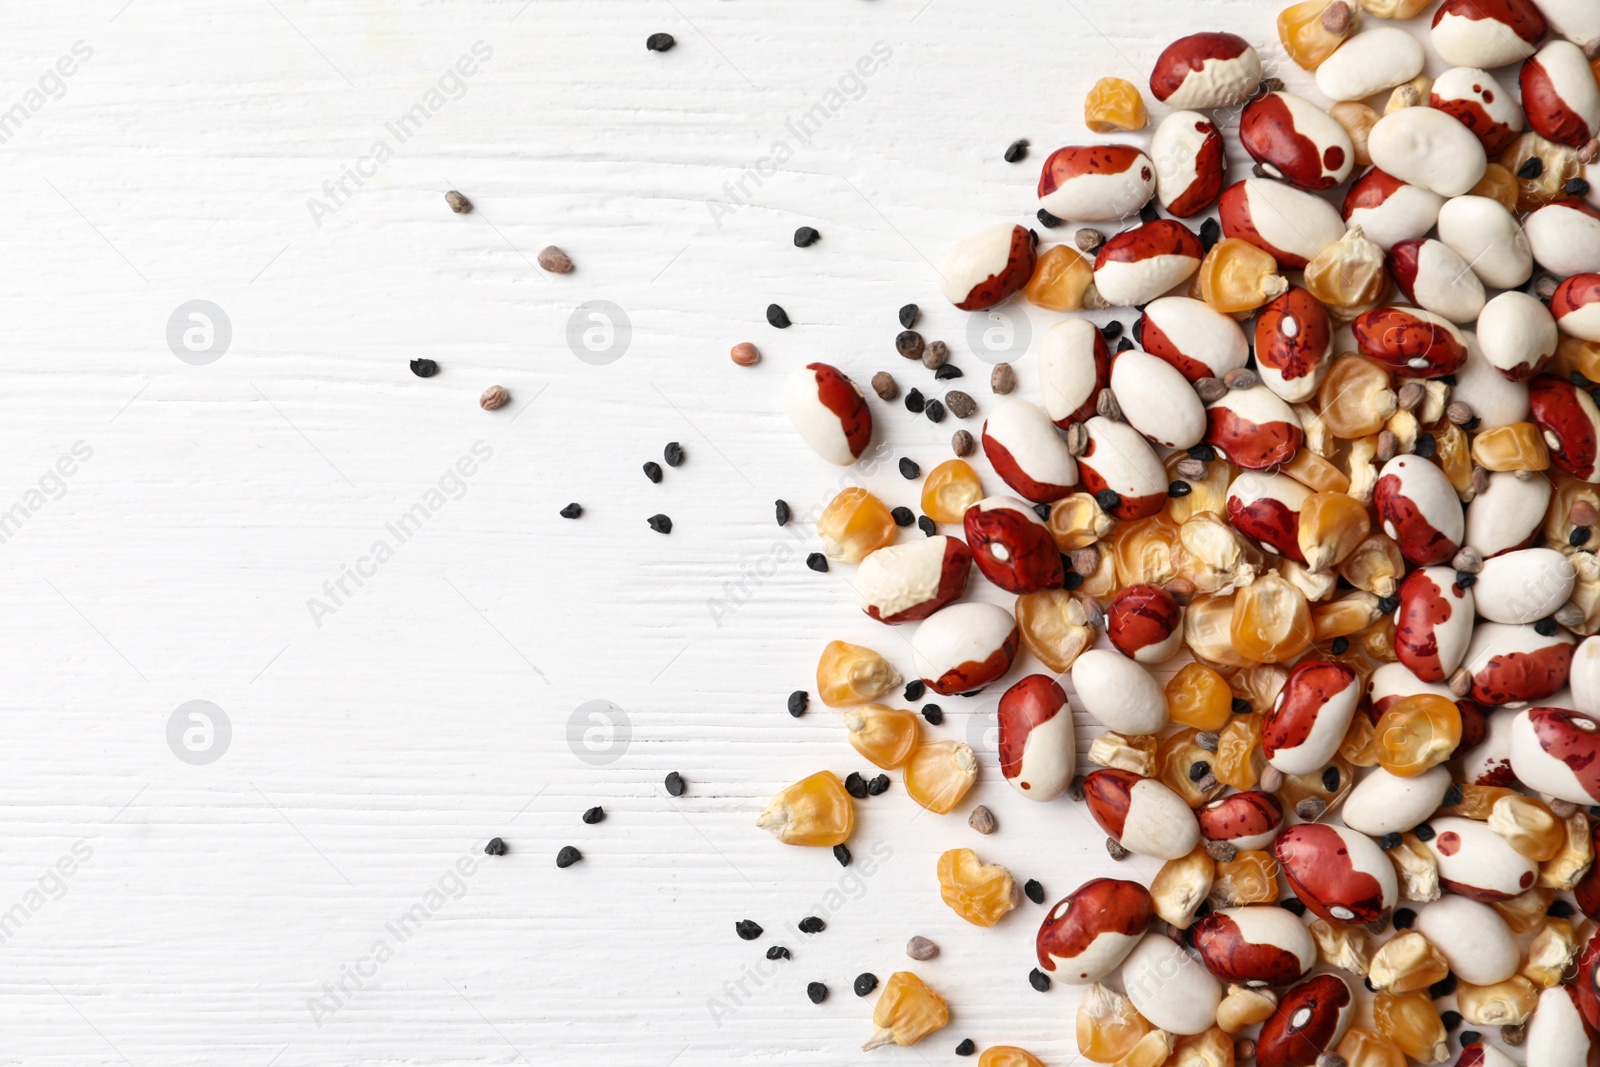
<point x="1412" y="1023"/>
<point x="1108" y="1026"/>
<point x="979" y="892"/>
<point x="1356" y="398"/>
<point x="1249" y="878"/>
<point x="850" y="674"/>
<point x="1417" y="733"/>
<point x="1199" y="696"/>
<point x="1114" y="104"/>
<point x="882" y="734"/>
<point x="855" y="524"/>
<point x="1054" y="627"/>
<point x="938" y="775"/>
<point x="1008" y="1056"/>
<point x="1518" y="446"/>
<point x="906" y="1012"/>
<point x="1271" y="620"/>
<point x="1146" y="551"/>
<point x="1237" y="277"/>
<point x="1312" y="30"/>
<point x="1240" y="761"/>
<point x="949" y="490"/>
<point x="1332" y="525"/>
<point x="1062" y="280"/>
<point x="814" y="811"/>
<point x="1500" y="185"/>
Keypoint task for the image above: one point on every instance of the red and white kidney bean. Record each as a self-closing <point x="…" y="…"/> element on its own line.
<point x="1117" y="458"/>
<point x="1266" y="508"/>
<point x="1256" y="945"/>
<point x="1296" y="140"/>
<point x="1369" y="63"/>
<point x="1487" y="33"/>
<point x="1576" y="20"/>
<point x="1394" y="681"/>
<point x="1570" y="423"/>
<point x="964" y="647"/>
<point x="1248" y="820"/>
<point x="1560" y="95"/>
<point x="1435" y="278"/>
<point x="1487" y="236"/>
<point x="909" y="582"/>
<point x="1118" y="693"/>
<point x="1190" y="335"/>
<point x="1287" y="223"/>
<point x="1036" y="741"/>
<point x="1478" y="863"/>
<point x="829" y="411"/>
<point x="1517" y="335"/>
<point x="1410" y="341"/>
<point x="1565" y="238"/>
<point x="1389" y="211"/>
<point x="1294" y="344"/>
<point x="1556" y="751"/>
<point x="1384" y="803"/>
<point x="1585" y="676"/>
<point x="1012" y="546"/>
<point x="1557" y="1034"/>
<point x="1576" y="306"/>
<point x="986" y="268"/>
<point x="1495" y="399"/>
<point x="1190" y="159"/>
<point x="1433" y="625"/>
<point x="1254" y="427"/>
<point x="1205" y="71"/>
<point x="1088" y="934"/>
<point x="1027" y="452"/>
<point x="1074" y="365"/>
<point x="1340" y="875"/>
<point x="1096" y="182"/>
<point x="1489" y="761"/>
<point x="1310" y="717"/>
<point x="1171" y="988"/>
<point x="1508" y="514"/>
<point x="1472" y="97"/>
<point x="1145" y="623"/>
<point x="1157" y="400"/>
<point x="1140" y="264"/>
<point x="1141" y="814"/>
<point x="1474" y="939"/>
<point x="1310" y="1019"/>
<point x="1418" y="507"/>
<point x="1427" y="148"/>
<point x="1514" y="664"/>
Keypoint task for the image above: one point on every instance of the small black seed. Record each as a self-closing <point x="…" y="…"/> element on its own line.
<point x="865" y="983"/>
<point x="1576" y="187"/>
<point x="1016" y="151"/>
<point x="1454" y="795"/>
<point x="1451" y="1020"/>
<point x="1148" y="213"/>
<point x="1546" y="627"/>
<point x="424" y="368"/>
<point x="1043" y="511"/>
<point x="675" y="784"/>
<point x="1293" y="905"/>
<point x="747" y="929"/>
<point x="1531" y="168"/>
<point x="1340" y="646"/>
<point x="1388" y="605"/>
<point x="673" y="453"/>
<point x="1579" y="536"/>
<point x="947" y="371"/>
<point x="778" y="952"/>
<point x="1073" y="580"/>
<point x="777" y="317"/>
<point x="909" y="469"/>
<point x="927" y="525"/>
<point x="805" y="237"/>
<point x="1330" y="779"/>
<point x="841" y="854"/>
<point x="1034" y="890"/>
<point x="817" y="992"/>
<point x="1465" y="580"/>
<point x="660" y="524"/>
<point x="1424" y="832"/>
<point x="1179" y="488"/>
<point x="1107" y="499"/>
<point x="1039" y="980"/>
<point x="572" y="511"/>
<point x="915" y="689"/>
<point x="1203" y="453"/>
<point x="594" y="815"/>
<point x="908" y="315"/>
<point x="1241" y="706"/>
<point x="1577" y="378"/>
<point x="966" y="1048"/>
<point x="903" y="516"/>
<point x="781" y="508"/>
<point x="1125" y="345"/>
<point x="1199" y="770"/>
<point x="652" y="470"/>
<point x="1443" y="987"/>
<point x="817" y="562"/>
<point x="1368" y="983"/>
<point x="1427" y="446"/>
<point x="1594" y="811"/>
<point x="856" y="785"/>
<point x="1470" y="1037"/>
<point x="1447" y="379"/>
<point x="799" y="700"/>
<point x="1138" y="329"/>
<point x="1560" y="909"/>
<point x="1210" y="233"/>
<point x="495" y="847"/>
<point x="878" y="786"/>
<point x="1389" y="841"/>
<point x="1047" y="220"/>
<point x="660" y="42"/>
<point x="934" y="409"/>
<point x="811" y="924"/>
<point x="914" y="401"/>
<point x="933" y="713"/>
<point x="1403" y="918"/>
<point x="1111" y="330"/>
<point x="567" y="857"/>
<point x="1471" y="424"/>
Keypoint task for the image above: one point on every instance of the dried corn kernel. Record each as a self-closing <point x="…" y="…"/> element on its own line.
<point x="906" y="1012"/>
<point x="1313" y="585"/>
<point x="1331" y="526"/>
<point x="1454" y="451"/>
<point x="1518" y="446"/>
<point x="1237" y="277"/>
<point x="1008" y="1056"/>
<point x="1176" y="760"/>
<point x="882" y="734"/>
<point x="1348" y="276"/>
<point x="814" y="811"/>
<point x="1153" y="1050"/>
<point x="1500" y="185"/>
<point x="1523" y="913"/>
<point x="1550" y="952"/>
<point x="1108" y="1025"/>
<point x="1405" y="963"/>
<point x="1356" y="398"/>
<point x="1240" y="761"/>
<point x="949" y="490"/>
<point x="1416" y="869"/>
<point x="1316" y="473"/>
<point x="1508" y="1003"/>
<point x="1259" y="686"/>
<point x="1347" y="615"/>
<point x="855" y="524"/>
<point x="1559" y="164"/>
<point x="1368" y="1048"/>
<point x="1062" y="280"/>
<point x="1360" y="744"/>
<point x="1054" y="627"/>
<point x="1573" y="859"/>
<point x="1478" y="801"/>
<point x="1244" y="1006"/>
<point x="1205" y="494"/>
<point x="1357" y="120"/>
<point x="1417" y="733"/>
<point x="1103" y="582"/>
<point x="1207" y="626"/>
<point x="1146" y="551"/>
<point x="1529" y="826"/>
<point x="1181" y="886"/>
<point x="1342" y="946"/>
<point x="1376" y="566"/>
<point x="1114" y="104"/>
<point x="1249" y="878"/>
<point x="1078" y="521"/>
<point x="938" y="775"/>
<point x="1394" y="9"/>
<point x="1410" y="1021"/>
<point x="980" y="893"/>
<point x="1217" y="560"/>
<point x="1298" y="788"/>
<point x="1136" y="754"/>
<point x="1413" y="93"/>
<point x="1312" y="30"/>
<point x="1271" y="620"/>
<point x="1198" y="696"/>
<point x="1576" y="354"/>
<point x="850" y="674"/>
<point x="1213" y="1048"/>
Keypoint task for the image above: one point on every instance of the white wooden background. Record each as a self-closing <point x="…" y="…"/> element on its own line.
<point x="207" y="905"/>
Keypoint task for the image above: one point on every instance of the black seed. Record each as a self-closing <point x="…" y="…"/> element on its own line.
<point x="1427" y="447"/>
<point x="1039" y="980"/>
<point x="908" y="315"/>
<point x="1138" y="329"/>
<point x="1293" y="905"/>
<point x="675" y="784"/>
<point x="495" y="847"/>
<point x="1034" y="890"/>
<point x="903" y="516"/>
<point x="947" y="371"/>
<point x="1465" y="580"/>
<point x="1340" y="646"/>
<point x="915" y="689"/>
<point x="909" y="469"/>
<point x="652" y="470"/>
<point x="778" y="317"/>
<point x="1471" y="424"/>
<point x="811" y="924"/>
<point x="799" y="700"/>
<point x="855" y="785"/>
<point x="1470" y="1037"/>
<point x="1559" y="909"/>
<point x="1199" y="770"/>
<point x="865" y="983"/>
<point x="1107" y="499"/>
<point x="660" y="524"/>
<point x="567" y="857"/>
<point x="1578" y="536"/>
<point x="1047" y="220"/>
<point x="1546" y="627"/>
<point x="424" y="368"/>
<point x="1423" y="831"/>
<point x="1443" y="987"/>
<point x="673" y="453"/>
<point x="1073" y="580"/>
<point x="966" y="1048"/>
<point x="1403" y="918"/>
<point x="914" y="401"/>
<point x="933" y="713"/>
<point x="747" y="929"/>
<point x="781" y="508"/>
<point x="1210" y="233"/>
<point x="1203" y="453"/>
<point x="778" y="952"/>
<point x="1451" y="1020"/>
<point x="572" y="511"/>
<point x="1148" y="213"/>
<point x="1043" y="511"/>
<point x="1179" y="488"/>
<point x="1388" y="605"/>
<point x="1577" y="378"/>
<point x="1531" y="168"/>
<point x="1016" y="151"/>
<point x="1389" y="841"/>
<point x="817" y="992"/>
<point x="1241" y="706"/>
<point x="841" y="854"/>
<point x="817" y="562"/>
<point x="878" y="786"/>
<point x="1111" y="330"/>
<point x="1330" y="779"/>
<point x="927" y="526"/>
<point x="1368" y="983"/>
<point x="1448" y="379"/>
<point x="1125" y="345"/>
<point x="1576" y="187"/>
<point x="1454" y="795"/>
<point x="934" y="410"/>
<point x="1594" y="811"/>
<point x="805" y="237"/>
<point x="594" y="815"/>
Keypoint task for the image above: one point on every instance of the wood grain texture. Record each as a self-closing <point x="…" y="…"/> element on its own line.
<point x="432" y="709"/>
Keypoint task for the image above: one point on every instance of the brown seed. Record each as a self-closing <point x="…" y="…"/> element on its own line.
<point x="1077" y="438"/>
<point x="1242" y="378"/>
<point x="920" y="948"/>
<point x="1211" y="389"/>
<point x="1336" y="19"/>
<point x="1545" y="287"/>
<point x="1568" y="615"/>
<point x="1459" y="412"/>
<point x="1114" y="847"/>
<point x="496" y="396"/>
<point x="1182" y="590"/>
<point x="1333" y="1059"/>
<point x="1388" y="446"/>
<point x="883" y="384"/>
<point x="1088" y="240"/>
<point x="1092" y="300"/>
<point x="1514" y="1035"/>
<point x="1271" y="779"/>
<point x="744" y="353"/>
<point x="962" y="443"/>
<point x="1221" y="851"/>
<point x="1480" y="480"/>
<point x="1094" y="612"/>
<point x="1411" y="395"/>
<point x="909" y="344"/>
<point x="1085" y="561"/>
<point x="1582" y="513"/>
<point x="1244" y="1049"/>
<point x="960" y="404"/>
<point x="1590" y="153"/>
<point x="1208" y="740"/>
<point x="1461" y="682"/>
<point x="936" y="355"/>
<point x="458" y="203"/>
<point x="1075" y="788"/>
<point x="1208" y="784"/>
<point x="1002" y="379"/>
<point x="1191" y="468"/>
<point x="1563" y="809"/>
<point x="982" y="820"/>
<point x="1468" y="559"/>
<point x="1260" y="171"/>
<point x="554" y="260"/>
<point x="1311" y="808"/>
<point x="1107" y="407"/>
<point x="1272" y="85"/>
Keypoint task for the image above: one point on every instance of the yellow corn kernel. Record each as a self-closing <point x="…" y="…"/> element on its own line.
<point x="1153" y="1050"/>
<point x="1576" y="354"/>
<point x="1415" y="869"/>
<point x="1348" y="275"/>
<point x="1357" y="119"/>
<point x="1311" y="31"/>
<point x="1108" y="1026"/>
<point x="813" y="811"/>
<point x="1062" y="280"/>
<point x="882" y="734"/>
<point x="1375" y="566"/>
<point x="1212" y="1048"/>
<point x="938" y="775"/>
<point x="1244" y="1006"/>
<point x="1198" y="696"/>
<point x="1077" y="521"/>
<point x="1114" y="104"/>
<point x="1360" y="744"/>
<point x="1350" y="614"/>
<point x="949" y="490"/>
<point x="1398" y="10"/>
<point x="1240" y="760"/>
<point x="1417" y="733"/>
<point x="1237" y="277"/>
<point x="1500" y="185"/>
<point x="1054" y="627"/>
<point x="906" y="1012"/>
<point x="1146" y="551"/>
<point x="1523" y="913"/>
<point x="1176" y="759"/>
<point x="1008" y="1056"/>
<point x="1529" y="826"/>
<point x="1136" y="754"/>
<point x="1181" y="886"/>
<point x="1455" y="458"/>
<point x="1405" y="963"/>
<point x="979" y="892"/>
<point x="1413" y="93"/>
<point x="1316" y="473"/>
<point x="1248" y="878"/>
<point x="1368" y="1048"/>
<point x="1342" y="946"/>
<point x="1572" y="861"/>
<point x="1508" y="1003"/>
<point x="1412" y="1023"/>
<point x="1271" y="620"/>
<point x="850" y="674"/>
<point x="855" y="524"/>
<point x="1331" y="526"/>
<point x="1517" y="446"/>
<point x="1550" y="952"/>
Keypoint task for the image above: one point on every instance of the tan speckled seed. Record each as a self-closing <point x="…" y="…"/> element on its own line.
<point x="962" y="444"/>
<point x="554" y="260"/>
<point x="883" y="384"/>
<point x="960" y="404"/>
<point x="1002" y="379"/>
<point x="458" y="203"/>
<point x="920" y="948"/>
<point x="745" y="354"/>
<point x="496" y="396"/>
<point x="982" y="820"/>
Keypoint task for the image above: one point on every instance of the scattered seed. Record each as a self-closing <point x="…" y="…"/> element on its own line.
<point x="1427" y="446"/>
<point x="1411" y="395"/>
<point x="817" y="992"/>
<point x="908" y="315"/>
<point x="1094" y="612"/>
<point x="567" y="857"/>
<point x="496" y="396"/>
<point x="572" y="511"/>
<point x="458" y="203"/>
<point x="915" y="689"/>
<point x="1461" y="682"/>
<point x="1114" y="847"/>
<point x="841" y="854"/>
<point x="747" y="929"/>
<point x="914" y="401"/>
<point x="1148" y="213"/>
<point x="1339" y="646"/>
<point x="1208" y="740"/>
<point x="1106" y="406"/>
<point x="1532" y="167"/>
<point x="962" y="443"/>
<point x="806" y="236"/>
<point x="927" y="526"/>
<point x="1199" y="770"/>
<point x="778" y="952"/>
<point x="1443" y="987"/>
<point x="781" y="509"/>
<point x="966" y="1047"/>
<point x="1085" y="561"/>
<point x="920" y="948"/>
<point x="1424" y="832"/>
<point x="1515" y="1035"/>
<point x="1293" y="905"/>
<point x="1221" y="851"/>
<point x="495" y="847"/>
<point x="878" y="786"/>
<point x="1179" y="488"/>
<point x="982" y="820"/>
<point x="909" y="469"/>
<point x="1454" y="795"/>
<point x="777" y="317"/>
<point x="1241" y="378"/>
<point x="1546" y="627"/>
<point x="1039" y="980"/>
<point x="1034" y="891"/>
<point x="1077" y="438"/>
<point x="1016" y="151"/>
<point x="1458" y="412"/>
<point x="948" y="371"/>
<point x="934" y="410"/>
<point x="1403" y="918"/>
<point x="856" y="785"/>
<point x="1568" y="615"/>
<point x="673" y="454"/>
<point x="1469" y="560"/>
<point x="961" y="405"/>
<point x="1088" y="240"/>
<point x="799" y="700"/>
<point x="1182" y="590"/>
<point x="660" y="42"/>
<point x="745" y="354"/>
<point x="1210" y="234"/>
<point x="1311" y="808"/>
<point x="652" y="470"/>
<point x="1047" y="220"/>
<point x="934" y="714"/>
<point x="936" y="355"/>
<point x="1002" y="379"/>
<point x="424" y="368"/>
<point x="1560" y="909"/>
<point x="1210" y="390"/>
<point x="555" y="260"/>
<point x="1330" y="779"/>
<point x="1108" y="499"/>
<point x="1388" y="446"/>
<point x="909" y="344"/>
<point x="817" y="562"/>
<point x="903" y="516"/>
<point x="1111" y="330"/>
<point x="594" y="815"/>
<point x="660" y="524"/>
<point x="1578" y="187"/>
<point x="1466" y="580"/>
<point x="1389" y="841"/>
<point x="812" y="924"/>
<point x="676" y="784"/>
